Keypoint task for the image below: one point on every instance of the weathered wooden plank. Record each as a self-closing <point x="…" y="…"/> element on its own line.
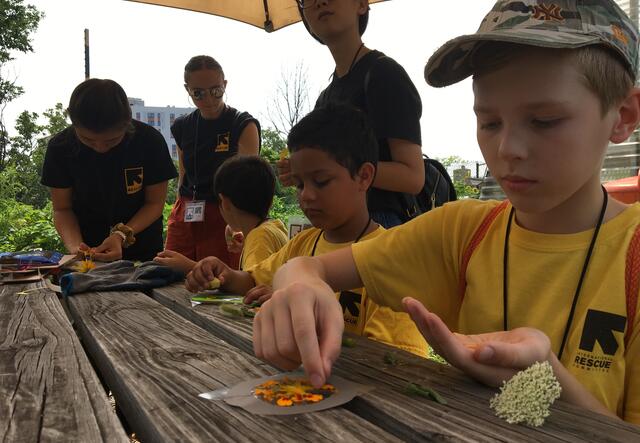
<point x="408" y="418"/>
<point x="467" y="415"/>
<point x="156" y="363"/>
<point x="468" y="401"/>
<point x="236" y="331"/>
<point x="48" y="389"/>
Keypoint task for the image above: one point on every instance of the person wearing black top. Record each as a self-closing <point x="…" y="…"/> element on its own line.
<point x="205" y="139"/>
<point x="376" y="84"/>
<point x="107" y="176"/>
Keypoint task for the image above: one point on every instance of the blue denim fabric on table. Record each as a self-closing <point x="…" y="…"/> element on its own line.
<point x="121" y="275"/>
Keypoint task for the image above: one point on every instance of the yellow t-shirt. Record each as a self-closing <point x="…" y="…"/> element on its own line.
<point x="361" y="315"/>
<point x="422" y="259"/>
<point x="263" y="241"/>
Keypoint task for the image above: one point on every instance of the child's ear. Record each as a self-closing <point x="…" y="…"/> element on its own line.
<point x="224" y="202"/>
<point x="628" y="117"/>
<point x="366" y="174"/>
<point x="364" y="7"/>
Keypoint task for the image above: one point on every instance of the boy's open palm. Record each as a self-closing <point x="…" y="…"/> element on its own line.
<point x="491" y="357"/>
<point x="301" y="323"/>
<point x="204" y="271"/>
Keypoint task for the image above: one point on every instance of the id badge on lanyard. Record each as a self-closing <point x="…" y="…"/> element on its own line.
<point x="194" y="211"/>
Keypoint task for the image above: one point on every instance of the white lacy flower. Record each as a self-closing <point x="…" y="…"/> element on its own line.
<point x="528" y="396"/>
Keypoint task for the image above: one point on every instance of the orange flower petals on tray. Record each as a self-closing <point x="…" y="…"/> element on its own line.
<point x="288" y="392"/>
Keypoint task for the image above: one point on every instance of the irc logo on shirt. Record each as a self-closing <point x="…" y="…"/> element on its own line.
<point x="350" y="303"/>
<point x="133" y="178"/>
<point x="223" y="142"/>
<point x="599" y="327"/>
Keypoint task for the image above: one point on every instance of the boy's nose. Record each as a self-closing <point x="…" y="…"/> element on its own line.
<point x="307" y="194"/>
<point x="512" y="145"/>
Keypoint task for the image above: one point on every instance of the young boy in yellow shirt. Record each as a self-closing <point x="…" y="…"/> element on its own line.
<point x="333" y="158"/>
<point x="245" y="186"/>
<point x="538" y="278"/>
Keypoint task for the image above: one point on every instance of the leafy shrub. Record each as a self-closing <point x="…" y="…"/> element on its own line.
<point x="23" y="227"/>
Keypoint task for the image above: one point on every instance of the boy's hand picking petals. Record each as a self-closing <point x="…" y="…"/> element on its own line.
<point x="203" y="272"/>
<point x="309" y="330"/>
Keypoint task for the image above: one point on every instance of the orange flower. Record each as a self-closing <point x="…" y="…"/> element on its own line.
<point x="291" y="391"/>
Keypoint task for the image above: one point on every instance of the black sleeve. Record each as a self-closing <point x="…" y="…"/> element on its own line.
<point x="56" y="172"/>
<point x="393" y="102"/>
<point x="176" y="130"/>
<point x="241" y="120"/>
<point x="158" y="164"/>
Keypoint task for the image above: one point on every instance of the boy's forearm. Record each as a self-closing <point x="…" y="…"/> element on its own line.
<point x="238" y="282"/>
<point x="573" y="392"/>
<point x="299" y="269"/>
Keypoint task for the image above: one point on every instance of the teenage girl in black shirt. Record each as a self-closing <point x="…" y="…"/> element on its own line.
<point x="376" y="84"/>
<point x="108" y="176"/>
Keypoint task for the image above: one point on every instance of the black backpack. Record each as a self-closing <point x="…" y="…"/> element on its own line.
<point x="438" y="189"/>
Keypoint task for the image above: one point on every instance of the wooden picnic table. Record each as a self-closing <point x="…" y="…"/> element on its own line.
<point x="156" y="353"/>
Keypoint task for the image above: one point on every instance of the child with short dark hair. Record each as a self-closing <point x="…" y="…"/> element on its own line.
<point x="333" y="158"/>
<point x="245" y="186"/>
<point x="550" y="275"/>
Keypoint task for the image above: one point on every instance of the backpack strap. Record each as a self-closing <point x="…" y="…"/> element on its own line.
<point x="632" y="282"/>
<point x="367" y="76"/>
<point x="631" y="272"/>
<point x="481" y="231"/>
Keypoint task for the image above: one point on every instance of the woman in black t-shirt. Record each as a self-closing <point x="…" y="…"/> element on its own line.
<point x="205" y="139"/>
<point x="108" y="176"/>
<point x="376" y="84"/>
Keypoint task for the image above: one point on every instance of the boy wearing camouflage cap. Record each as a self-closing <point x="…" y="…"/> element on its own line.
<point x="552" y="274"/>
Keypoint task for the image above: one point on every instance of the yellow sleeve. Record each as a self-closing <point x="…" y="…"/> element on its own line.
<point x="631" y="409"/>
<point x="260" y="245"/>
<point x="421" y="259"/>
<point x="393" y="328"/>
<point x="263" y="271"/>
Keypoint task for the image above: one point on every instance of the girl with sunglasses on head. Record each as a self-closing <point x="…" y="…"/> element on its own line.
<point x="376" y="84"/>
<point x="205" y="139"/>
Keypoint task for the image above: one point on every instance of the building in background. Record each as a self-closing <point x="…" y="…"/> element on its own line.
<point x="160" y="118"/>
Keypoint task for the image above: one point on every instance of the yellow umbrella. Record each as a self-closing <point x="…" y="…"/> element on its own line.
<point x="269" y="15"/>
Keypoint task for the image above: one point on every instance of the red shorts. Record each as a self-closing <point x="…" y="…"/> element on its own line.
<point x="198" y="240"/>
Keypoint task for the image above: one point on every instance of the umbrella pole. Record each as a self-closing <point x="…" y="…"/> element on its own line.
<point x="268" y="24"/>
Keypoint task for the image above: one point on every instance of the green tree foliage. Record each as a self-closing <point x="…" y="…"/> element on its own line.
<point x="18" y="21"/>
<point x="23" y="228"/>
<point x="25" y="155"/>
<point x="272" y="145"/>
<point x="285" y="203"/>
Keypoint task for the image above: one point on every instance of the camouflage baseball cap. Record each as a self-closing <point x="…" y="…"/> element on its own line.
<point x="550" y="24"/>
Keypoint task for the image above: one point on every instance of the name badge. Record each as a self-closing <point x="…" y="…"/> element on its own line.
<point x="194" y="211"/>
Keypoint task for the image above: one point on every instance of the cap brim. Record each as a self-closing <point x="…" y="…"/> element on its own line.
<point x="453" y="61"/>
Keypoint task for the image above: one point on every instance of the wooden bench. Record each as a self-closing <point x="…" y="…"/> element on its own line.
<point x="466" y="417"/>
<point x="48" y="389"/>
<point x="156" y="353"/>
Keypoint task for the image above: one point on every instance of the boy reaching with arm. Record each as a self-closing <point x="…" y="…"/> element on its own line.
<point x="538" y="278"/>
<point x="333" y="157"/>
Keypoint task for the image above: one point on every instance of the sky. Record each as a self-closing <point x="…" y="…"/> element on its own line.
<point x="145" y="47"/>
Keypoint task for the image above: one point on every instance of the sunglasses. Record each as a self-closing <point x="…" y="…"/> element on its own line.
<point x="200" y="94"/>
